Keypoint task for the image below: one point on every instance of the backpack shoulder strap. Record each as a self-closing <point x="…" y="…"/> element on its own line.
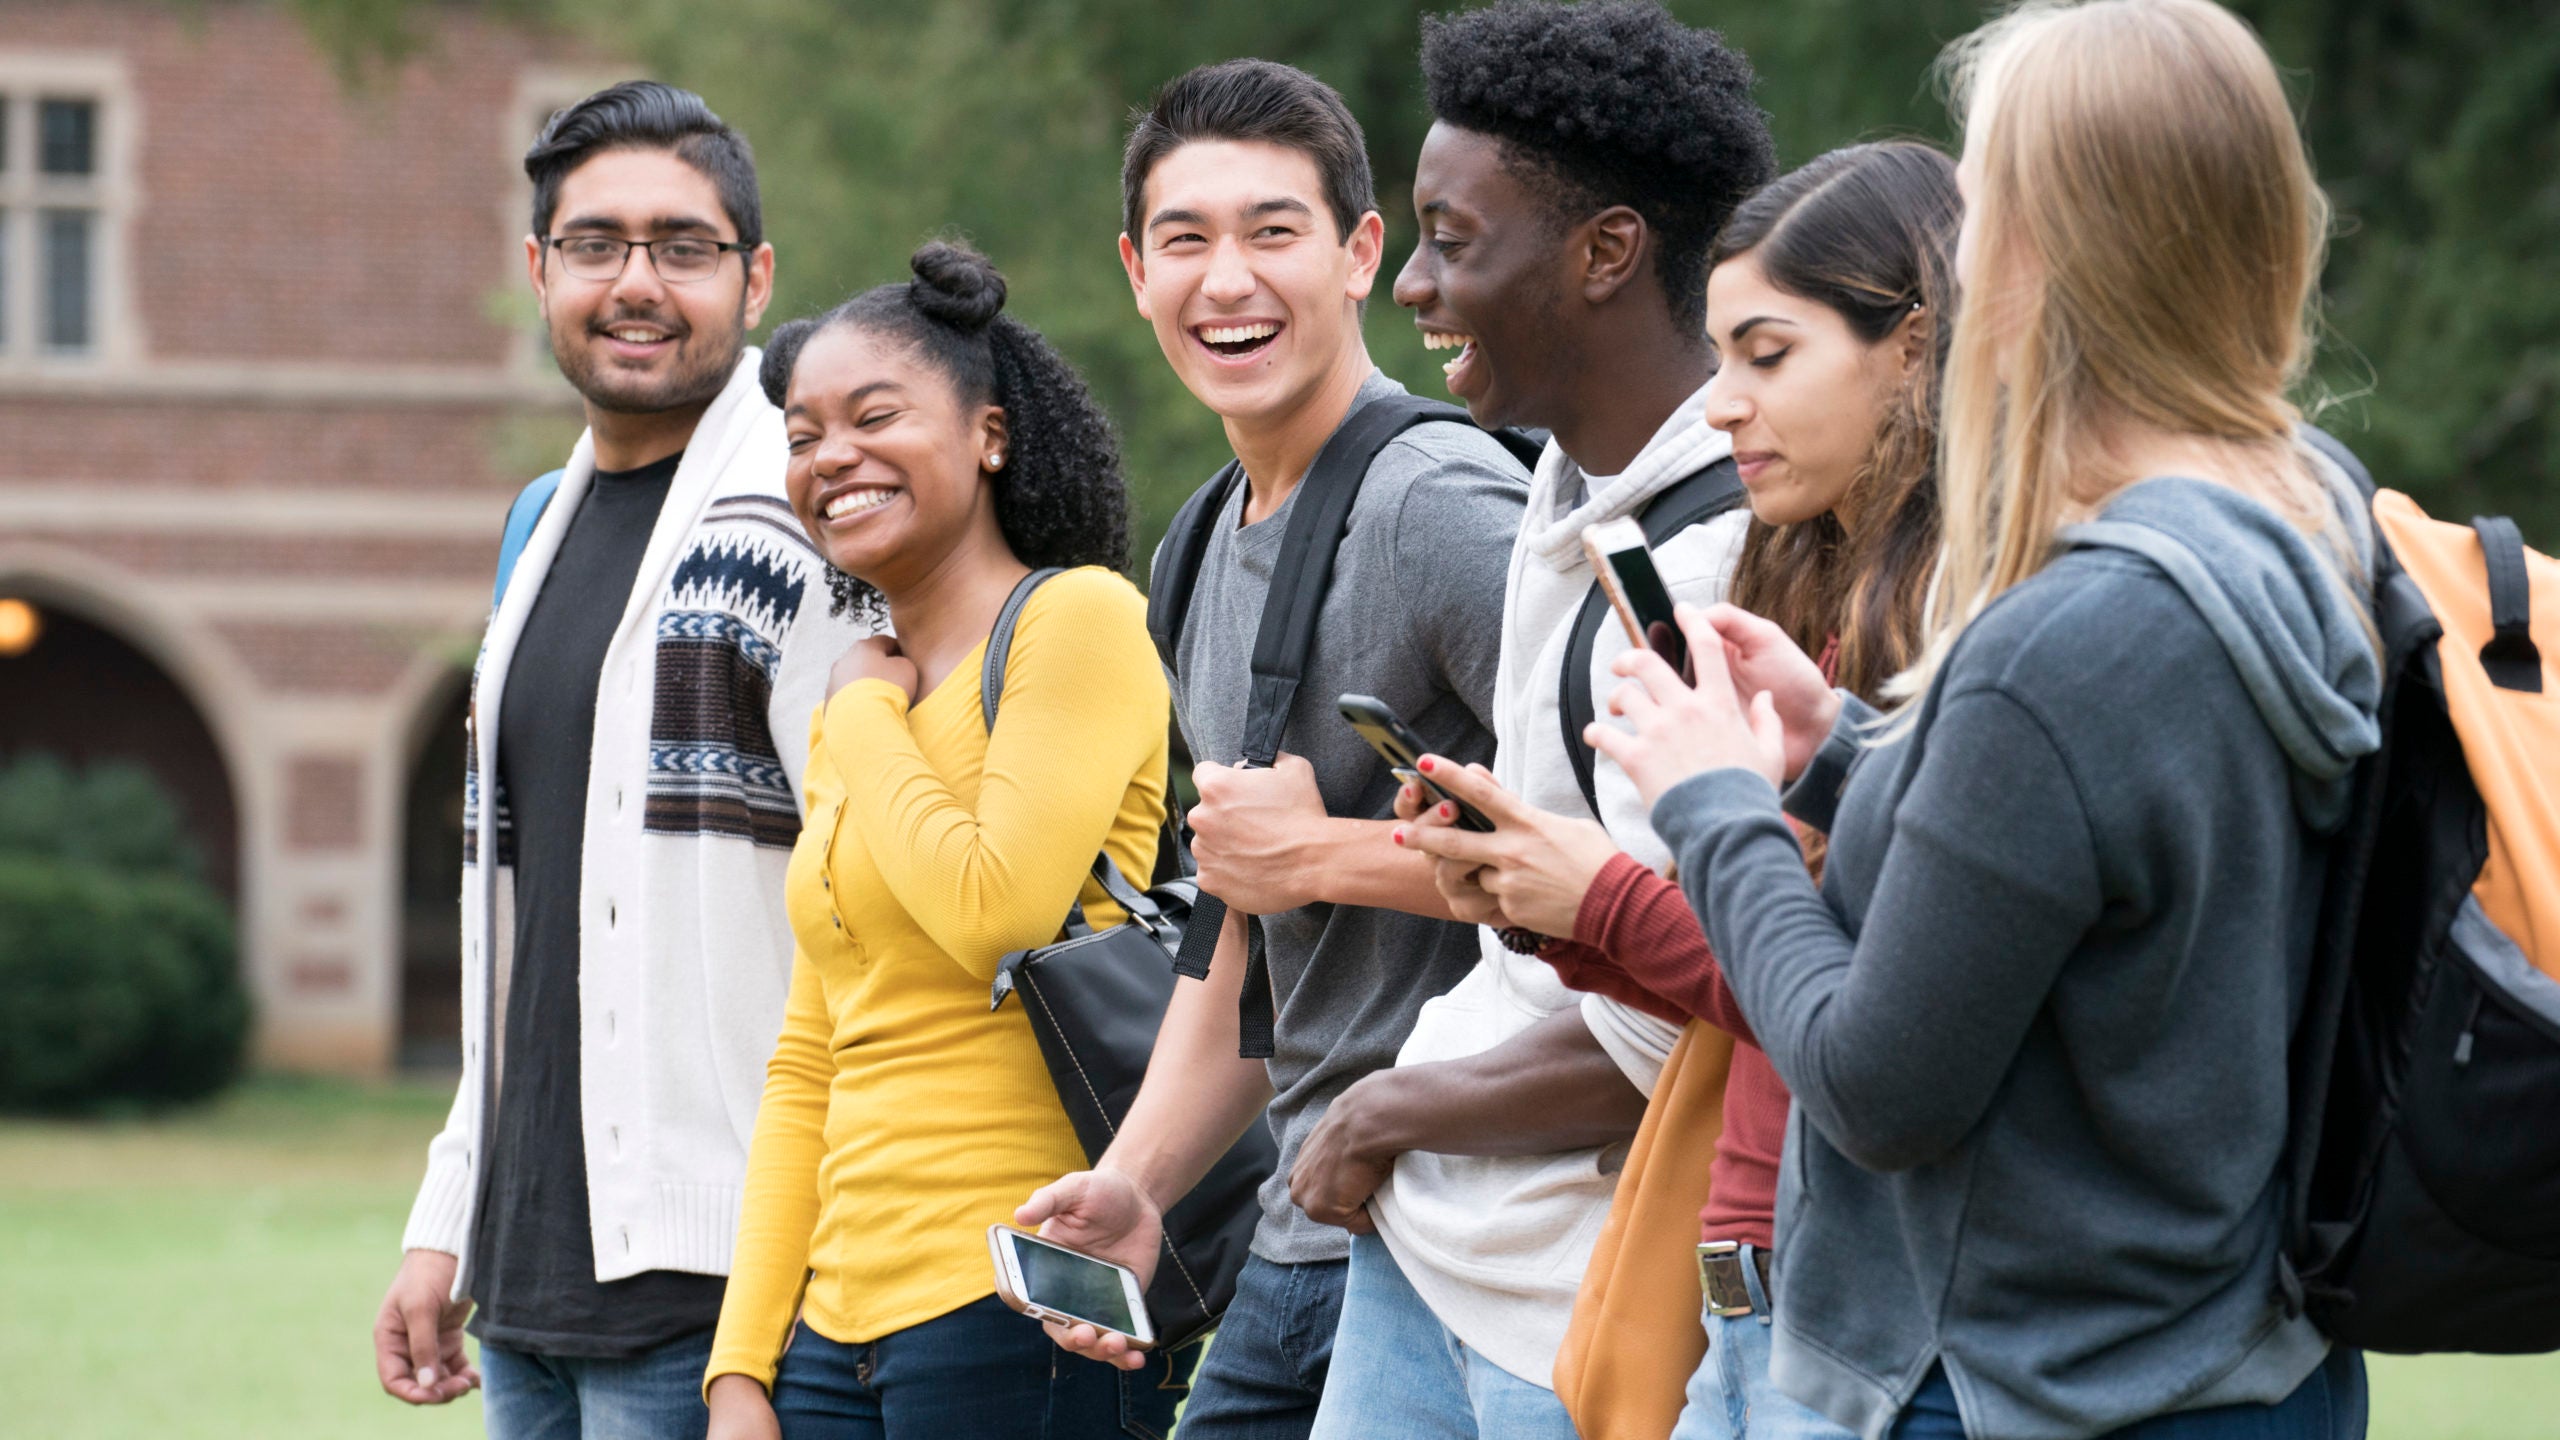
<point x="1177" y="567"/>
<point x="522" y="516"/>
<point x="1302" y="573"/>
<point x="1693" y="501"/>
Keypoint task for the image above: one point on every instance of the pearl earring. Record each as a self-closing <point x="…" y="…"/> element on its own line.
<point x="996" y="461"/>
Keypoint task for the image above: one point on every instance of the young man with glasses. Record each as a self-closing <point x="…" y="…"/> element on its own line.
<point x="640" y="715"/>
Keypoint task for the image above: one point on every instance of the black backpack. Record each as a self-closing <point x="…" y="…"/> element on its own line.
<point x="1694" y="501"/>
<point x="1300" y="578"/>
<point x="2422" y="1174"/>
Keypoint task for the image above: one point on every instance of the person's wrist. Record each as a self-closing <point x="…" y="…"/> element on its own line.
<point x="1375" y="1117"/>
<point x="1314" y="858"/>
<point x="1826" y="715"/>
<point x="733" y="1388"/>
<point x="1142" y="1178"/>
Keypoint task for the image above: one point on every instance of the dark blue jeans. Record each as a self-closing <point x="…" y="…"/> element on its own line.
<point x="1267" y="1363"/>
<point x="652" y="1396"/>
<point x="981" y="1372"/>
<point x="2330" y="1405"/>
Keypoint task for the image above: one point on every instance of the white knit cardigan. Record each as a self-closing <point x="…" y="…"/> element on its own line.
<point x="693" y="803"/>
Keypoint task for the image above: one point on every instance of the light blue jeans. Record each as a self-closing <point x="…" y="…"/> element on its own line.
<point x="1730" y="1397"/>
<point x="656" y="1395"/>
<point x="1398" y="1374"/>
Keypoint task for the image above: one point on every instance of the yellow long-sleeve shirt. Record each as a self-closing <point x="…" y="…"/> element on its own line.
<point x="901" y="1117"/>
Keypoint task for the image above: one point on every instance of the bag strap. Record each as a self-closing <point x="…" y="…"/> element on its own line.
<point x="1693" y="501"/>
<point x="522" y="515"/>
<point x="1000" y="643"/>
<point x="1177" y="567"/>
<point x="991" y="693"/>
<point x="1303" y="572"/>
<point x="2513" y="661"/>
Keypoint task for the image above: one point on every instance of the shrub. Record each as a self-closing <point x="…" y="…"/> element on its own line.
<point x="119" y="971"/>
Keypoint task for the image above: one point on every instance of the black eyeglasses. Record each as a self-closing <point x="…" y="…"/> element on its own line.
<point x="678" y="259"/>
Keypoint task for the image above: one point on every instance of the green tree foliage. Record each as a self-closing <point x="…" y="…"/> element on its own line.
<point x="119" y="972"/>
<point x="2435" y="124"/>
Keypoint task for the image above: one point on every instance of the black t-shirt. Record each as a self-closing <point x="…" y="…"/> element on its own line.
<point x="534" y="1273"/>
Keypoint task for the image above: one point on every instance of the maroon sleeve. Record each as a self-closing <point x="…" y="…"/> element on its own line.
<point x="1582" y="967"/>
<point x="1637" y="930"/>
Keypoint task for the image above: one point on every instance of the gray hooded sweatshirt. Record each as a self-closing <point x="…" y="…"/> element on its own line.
<point x="2035" y="1019"/>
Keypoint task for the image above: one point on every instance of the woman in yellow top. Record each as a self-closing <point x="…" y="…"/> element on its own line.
<point x="939" y="451"/>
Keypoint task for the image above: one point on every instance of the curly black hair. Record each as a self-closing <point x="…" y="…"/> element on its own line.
<point x="1061" y="498"/>
<point x="1610" y="103"/>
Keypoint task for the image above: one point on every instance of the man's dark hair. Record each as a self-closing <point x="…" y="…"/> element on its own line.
<point x="1251" y="100"/>
<point x="646" y="115"/>
<point x="1610" y="103"/>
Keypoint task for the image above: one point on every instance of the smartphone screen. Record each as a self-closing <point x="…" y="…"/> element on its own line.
<point x="1623" y="565"/>
<point x="1396" y="744"/>
<point x="1063" y="1281"/>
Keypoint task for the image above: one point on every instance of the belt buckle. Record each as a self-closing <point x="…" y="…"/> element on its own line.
<point x="1720" y="1266"/>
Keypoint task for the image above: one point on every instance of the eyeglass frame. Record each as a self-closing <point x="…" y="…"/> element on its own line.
<point x="552" y="243"/>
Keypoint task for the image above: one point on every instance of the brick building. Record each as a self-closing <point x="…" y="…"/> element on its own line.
<point x="268" y="379"/>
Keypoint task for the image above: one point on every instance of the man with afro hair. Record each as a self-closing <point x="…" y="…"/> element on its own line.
<point x="1582" y="160"/>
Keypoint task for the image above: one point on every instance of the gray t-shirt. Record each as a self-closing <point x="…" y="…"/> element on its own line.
<point x="1413" y="617"/>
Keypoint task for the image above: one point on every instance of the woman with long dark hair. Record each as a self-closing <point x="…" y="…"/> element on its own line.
<point x="940" y="452"/>
<point x="1823" y="302"/>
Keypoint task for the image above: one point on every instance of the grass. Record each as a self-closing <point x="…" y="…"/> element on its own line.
<point x="214" y="1274"/>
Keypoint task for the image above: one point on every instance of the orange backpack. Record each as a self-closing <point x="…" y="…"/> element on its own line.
<point x="2424" y="1170"/>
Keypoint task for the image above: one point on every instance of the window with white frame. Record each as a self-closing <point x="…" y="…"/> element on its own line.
<point x="54" y="203"/>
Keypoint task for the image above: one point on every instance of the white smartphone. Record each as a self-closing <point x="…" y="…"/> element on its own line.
<point x="1048" y="1281"/>
<point x="1623" y="565"/>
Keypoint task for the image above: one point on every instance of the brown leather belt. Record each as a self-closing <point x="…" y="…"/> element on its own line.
<point x="1720" y="1276"/>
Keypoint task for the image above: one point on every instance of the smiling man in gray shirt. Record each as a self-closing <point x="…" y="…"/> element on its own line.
<point x="1252" y="238"/>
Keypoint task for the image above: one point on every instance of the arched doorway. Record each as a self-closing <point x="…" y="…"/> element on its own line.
<point x="74" y="688"/>
<point x="431" y="890"/>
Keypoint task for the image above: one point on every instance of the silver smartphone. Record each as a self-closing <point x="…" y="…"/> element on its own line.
<point x="1048" y="1281"/>
<point x="1623" y="565"/>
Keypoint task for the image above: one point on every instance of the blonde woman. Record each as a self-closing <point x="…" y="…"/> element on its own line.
<point x="2035" y="1019"/>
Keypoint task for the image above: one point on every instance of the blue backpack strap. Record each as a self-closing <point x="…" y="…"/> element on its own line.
<point x="522" y="516"/>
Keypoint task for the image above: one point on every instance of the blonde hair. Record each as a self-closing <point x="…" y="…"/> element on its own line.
<point x="2146" y="244"/>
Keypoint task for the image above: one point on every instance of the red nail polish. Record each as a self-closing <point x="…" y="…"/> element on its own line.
<point x="1426" y="764"/>
<point x="1399" y="834"/>
<point x="1448" y="812"/>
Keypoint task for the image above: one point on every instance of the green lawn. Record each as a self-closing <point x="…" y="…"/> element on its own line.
<point x="215" y="1275"/>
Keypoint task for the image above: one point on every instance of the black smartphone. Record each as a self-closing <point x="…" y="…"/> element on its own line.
<point x="1403" y="750"/>
<point x="1623" y="564"/>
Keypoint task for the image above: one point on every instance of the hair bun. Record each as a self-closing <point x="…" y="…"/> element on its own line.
<point x="956" y="285"/>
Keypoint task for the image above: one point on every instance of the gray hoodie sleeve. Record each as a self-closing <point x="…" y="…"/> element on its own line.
<point x="1895" y="1039"/>
<point x="1815" y="796"/>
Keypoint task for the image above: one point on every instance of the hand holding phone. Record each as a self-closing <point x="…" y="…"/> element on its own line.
<point x="1047" y="1281"/>
<point x="1623" y="565"/>
<point x="1403" y="750"/>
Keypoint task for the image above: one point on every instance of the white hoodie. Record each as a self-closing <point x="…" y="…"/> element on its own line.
<point x="1496" y="1245"/>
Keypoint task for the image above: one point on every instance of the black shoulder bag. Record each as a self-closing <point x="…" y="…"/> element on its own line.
<point x="1095" y="1000"/>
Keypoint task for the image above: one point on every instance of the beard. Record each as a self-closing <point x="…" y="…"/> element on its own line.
<point x="702" y="364"/>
